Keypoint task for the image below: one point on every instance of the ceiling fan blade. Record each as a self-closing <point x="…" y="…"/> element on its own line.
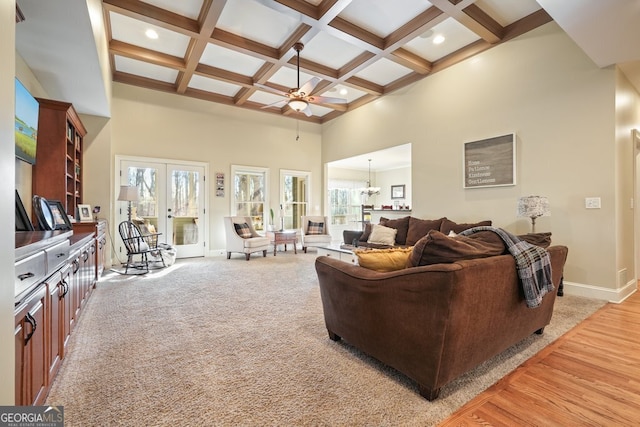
<point x="270" y="89"/>
<point x="308" y="87"/>
<point x="278" y="104"/>
<point x="326" y="100"/>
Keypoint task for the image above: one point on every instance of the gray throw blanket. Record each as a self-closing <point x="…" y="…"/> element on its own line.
<point x="533" y="264"/>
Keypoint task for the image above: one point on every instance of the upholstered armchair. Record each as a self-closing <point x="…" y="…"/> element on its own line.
<point x="315" y="234"/>
<point x="235" y="228"/>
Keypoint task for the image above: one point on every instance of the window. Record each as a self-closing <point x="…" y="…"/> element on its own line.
<point x="345" y="201"/>
<point x="250" y="194"/>
<point x="294" y="196"/>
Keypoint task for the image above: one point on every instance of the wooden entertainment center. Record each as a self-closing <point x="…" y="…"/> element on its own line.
<point x="55" y="271"/>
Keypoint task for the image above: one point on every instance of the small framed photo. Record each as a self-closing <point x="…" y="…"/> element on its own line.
<point x="60" y="217"/>
<point x="84" y="213"/>
<point x="397" y="191"/>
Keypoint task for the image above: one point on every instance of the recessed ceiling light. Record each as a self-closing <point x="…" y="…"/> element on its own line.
<point x="151" y="34"/>
<point x="438" y="39"/>
<point x="343" y="91"/>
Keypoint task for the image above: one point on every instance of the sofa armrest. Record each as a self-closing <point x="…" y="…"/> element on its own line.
<point x="349" y="235"/>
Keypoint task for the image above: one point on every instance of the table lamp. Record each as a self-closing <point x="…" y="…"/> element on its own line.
<point x="128" y="194"/>
<point x="533" y="207"/>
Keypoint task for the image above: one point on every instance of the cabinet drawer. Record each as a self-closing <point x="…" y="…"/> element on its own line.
<point x="29" y="271"/>
<point x="56" y="256"/>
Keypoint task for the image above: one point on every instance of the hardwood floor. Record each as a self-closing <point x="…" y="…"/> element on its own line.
<point x="588" y="377"/>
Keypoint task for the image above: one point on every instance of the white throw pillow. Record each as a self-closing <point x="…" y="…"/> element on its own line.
<point x="382" y="235"/>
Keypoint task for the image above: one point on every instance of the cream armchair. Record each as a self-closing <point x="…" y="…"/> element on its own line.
<point x="245" y="245"/>
<point x="315" y="240"/>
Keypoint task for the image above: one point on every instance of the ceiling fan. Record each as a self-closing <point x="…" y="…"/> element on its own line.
<point x="299" y="98"/>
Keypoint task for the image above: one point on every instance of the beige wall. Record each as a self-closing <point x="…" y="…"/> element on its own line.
<point x="7" y="176"/>
<point x="627" y="107"/>
<point x="562" y="109"/>
<point x="154" y="124"/>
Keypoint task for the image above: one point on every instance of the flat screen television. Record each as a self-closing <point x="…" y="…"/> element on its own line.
<point x="27" y="110"/>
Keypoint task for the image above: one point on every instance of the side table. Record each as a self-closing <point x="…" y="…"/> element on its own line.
<point x="283" y="237"/>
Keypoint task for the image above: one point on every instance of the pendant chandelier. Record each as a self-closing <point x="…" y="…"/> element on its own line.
<point x="370" y="191"/>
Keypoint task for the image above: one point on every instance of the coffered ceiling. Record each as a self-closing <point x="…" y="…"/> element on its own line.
<point x="360" y="49"/>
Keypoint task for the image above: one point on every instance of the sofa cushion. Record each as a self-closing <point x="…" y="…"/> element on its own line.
<point x="383" y="259"/>
<point x="448" y="225"/>
<point x="366" y="233"/>
<point x="382" y="235"/>
<point x="315" y="227"/>
<point x="400" y="224"/>
<point x="539" y="239"/>
<point x="437" y="247"/>
<point x="418" y="228"/>
<point x="243" y="230"/>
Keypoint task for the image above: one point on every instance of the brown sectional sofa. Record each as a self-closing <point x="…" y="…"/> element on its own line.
<point x="435" y="322"/>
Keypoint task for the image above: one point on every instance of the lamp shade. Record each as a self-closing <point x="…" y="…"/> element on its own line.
<point x="533" y="206"/>
<point x="298" y="104"/>
<point x="128" y="194"/>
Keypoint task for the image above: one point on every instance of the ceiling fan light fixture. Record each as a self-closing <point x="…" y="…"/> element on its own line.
<point x="298" y="104"/>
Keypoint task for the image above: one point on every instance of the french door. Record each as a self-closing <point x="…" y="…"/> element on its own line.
<point x="171" y="201"/>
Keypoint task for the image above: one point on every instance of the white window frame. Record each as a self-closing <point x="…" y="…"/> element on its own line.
<point x="296" y="173"/>
<point x="255" y="170"/>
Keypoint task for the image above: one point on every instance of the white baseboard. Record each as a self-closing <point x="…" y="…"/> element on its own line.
<point x="598" y="292"/>
<point x="217" y="252"/>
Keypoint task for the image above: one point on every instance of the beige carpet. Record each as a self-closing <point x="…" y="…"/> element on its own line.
<point x="217" y="342"/>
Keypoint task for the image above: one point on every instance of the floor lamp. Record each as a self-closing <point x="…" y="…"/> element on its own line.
<point x="129" y="195"/>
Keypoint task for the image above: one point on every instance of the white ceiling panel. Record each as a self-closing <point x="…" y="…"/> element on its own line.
<point x="214" y="86"/>
<point x="230" y="60"/>
<point x="383" y="72"/>
<point x="344" y="92"/>
<point x="455" y="36"/>
<point x="254" y="21"/>
<point x="144" y="69"/>
<point x="382" y="17"/>
<point x="132" y="31"/>
<point x="188" y="8"/>
<point x="330" y="51"/>
<point x="288" y="77"/>
<point x="506" y="12"/>
<point x="265" y="98"/>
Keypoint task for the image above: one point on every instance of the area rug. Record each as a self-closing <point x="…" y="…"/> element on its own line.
<point x="219" y="342"/>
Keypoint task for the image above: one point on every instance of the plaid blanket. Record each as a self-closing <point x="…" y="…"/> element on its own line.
<point x="533" y="264"/>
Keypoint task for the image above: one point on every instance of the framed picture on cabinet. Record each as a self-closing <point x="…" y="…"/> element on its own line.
<point x="60" y="218"/>
<point x="84" y="213"/>
<point x="23" y="223"/>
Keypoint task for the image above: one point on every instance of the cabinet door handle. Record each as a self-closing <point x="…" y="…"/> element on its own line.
<point x="76" y="266"/>
<point x="25" y="276"/>
<point x="34" y="325"/>
<point x="65" y="288"/>
<point x="85" y="254"/>
<point x="60" y="255"/>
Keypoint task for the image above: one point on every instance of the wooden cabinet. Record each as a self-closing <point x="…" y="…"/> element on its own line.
<point x="30" y="347"/>
<point x="47" y="308"/>
<point x="57" y="290"/>
<point x="57" y="174"/>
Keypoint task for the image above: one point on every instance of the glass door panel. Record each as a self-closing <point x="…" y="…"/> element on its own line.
<point x="185" y="208"/>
